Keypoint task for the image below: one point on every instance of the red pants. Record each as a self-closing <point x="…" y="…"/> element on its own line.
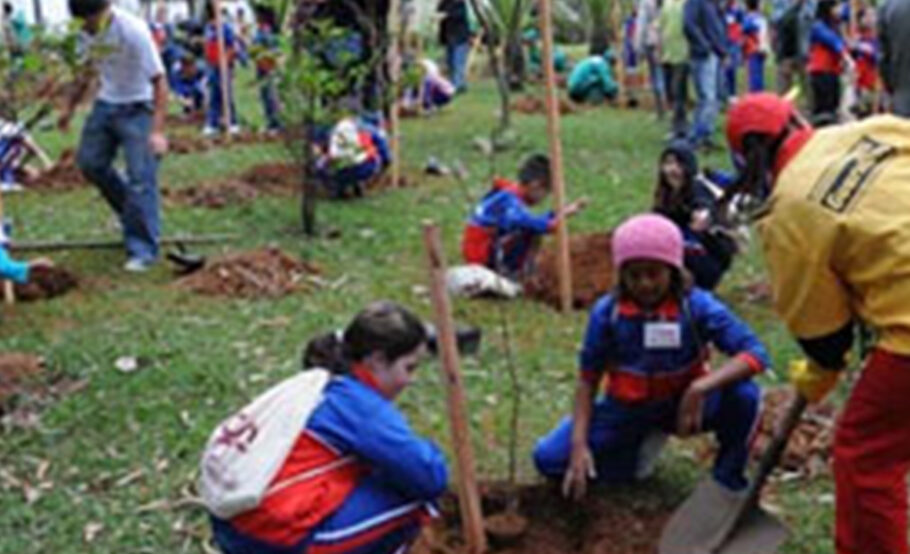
<point x="872" y="458"/>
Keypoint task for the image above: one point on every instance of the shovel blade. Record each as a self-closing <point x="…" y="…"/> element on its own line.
<point x="703" y="521"/>
<point x="758" y="533"/>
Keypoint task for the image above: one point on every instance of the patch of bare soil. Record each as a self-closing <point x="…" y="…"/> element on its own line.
<point x="592" y="271"/>
<point x="603" y="524"/>
<point x="263" y="273"/>
<point x="63" y="176"/>
<point x="532" y="105"/>
<point x="808" y="453"/>
<point x="45" y="283"/>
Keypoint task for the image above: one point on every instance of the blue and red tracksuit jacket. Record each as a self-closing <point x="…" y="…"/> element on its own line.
<point x="826" y="49"/>
<point x="733" y="17"/>
<point x="211" y="44"/>
<point x="501" y="229"/>
<point x="752" y="30"/>
<point x="641" y="373"/>
<point x="354" y="432"/>
<point x="866" y="54"/>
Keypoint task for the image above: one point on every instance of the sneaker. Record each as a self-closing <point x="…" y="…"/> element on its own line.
<point x="234" y="130"/>
<point x="209" y="131"/>
<point x="10" y="186"/>
<point x="138" y="265"/>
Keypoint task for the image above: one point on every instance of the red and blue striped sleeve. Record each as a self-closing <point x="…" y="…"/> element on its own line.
<point x="595" y="349"/>
<point x="727" y="332"/>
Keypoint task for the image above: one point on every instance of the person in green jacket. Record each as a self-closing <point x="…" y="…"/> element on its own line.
<point x="592" y="81"/>
<point x="674" y="56"/>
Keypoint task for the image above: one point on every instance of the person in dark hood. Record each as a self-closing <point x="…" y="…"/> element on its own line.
<point x="690" y="199"/>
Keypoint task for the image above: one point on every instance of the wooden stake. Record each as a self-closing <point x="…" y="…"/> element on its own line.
<point x="395" y="76"/>
<point x="468" y="495"/>
<point x="222" y="68"/>
<point x="616" y="22"/>
<point x="559" y="191"/>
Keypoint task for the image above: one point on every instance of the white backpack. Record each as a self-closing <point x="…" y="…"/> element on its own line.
<point x="247" y="450"/>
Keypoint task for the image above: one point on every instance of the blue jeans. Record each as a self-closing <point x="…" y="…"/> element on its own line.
<point x="456" y="60"/>
<point x="133" y="196"/>
<point x="704" y="75"/>
<point x="656" y="72"/>
<point x="756" y="69"/>
<point x="730" y="71"/>
<point x="268" y="95"/>
<point x="617" y="431"/>
<point x="215" y="116"/>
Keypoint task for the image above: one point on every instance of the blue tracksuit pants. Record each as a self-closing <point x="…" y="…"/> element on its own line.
<point x="618" y="430"/>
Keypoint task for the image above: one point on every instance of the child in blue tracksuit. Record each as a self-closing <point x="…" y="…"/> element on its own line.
<point x="734" y="17"/>
<point x="189" y="83"/>
<point x="828" y="54"/>
<point x="215" y="114"/>
<point x="651" y="339"/>
<point x="372" y="481"/>
<point x="265" y="43"/>
<point x="502" y="232"/>
<point x="356" y="152"/>
<point x="755" y="45"/>
<point x="591" y="81"/>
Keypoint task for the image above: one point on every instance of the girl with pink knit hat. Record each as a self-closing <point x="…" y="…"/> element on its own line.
<point x="651" y="338"/>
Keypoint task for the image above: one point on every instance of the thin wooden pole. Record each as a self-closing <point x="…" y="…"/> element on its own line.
<point x="222" y="68"/>
<point x="617" y="24"/>
<point x="559" y="189"/>
<point x="468" y="495"/>
<point x="395" y="74"/>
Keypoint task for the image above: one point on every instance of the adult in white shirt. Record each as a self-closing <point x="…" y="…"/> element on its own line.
<point x="128" y="113"/>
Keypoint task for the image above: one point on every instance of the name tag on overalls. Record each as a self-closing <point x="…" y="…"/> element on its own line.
<point x="662" y="335"/>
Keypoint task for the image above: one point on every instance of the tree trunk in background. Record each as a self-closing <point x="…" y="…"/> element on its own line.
<point x="515" y="63"/>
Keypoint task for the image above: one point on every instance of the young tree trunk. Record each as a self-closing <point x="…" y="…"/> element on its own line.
<point x="501" y="83"/>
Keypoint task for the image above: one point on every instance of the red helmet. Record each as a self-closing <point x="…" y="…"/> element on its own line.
<point x="762" y="113"/>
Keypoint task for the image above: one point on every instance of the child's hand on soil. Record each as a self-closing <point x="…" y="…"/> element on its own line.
<point x="690" y="411"/>
<point x="581" y="468"/>
<point x="41" y="263"/>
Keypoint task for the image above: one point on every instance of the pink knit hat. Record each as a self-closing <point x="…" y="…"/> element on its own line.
<point x="648" y="237"/>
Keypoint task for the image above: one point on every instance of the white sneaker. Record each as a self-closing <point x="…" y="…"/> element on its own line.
<point x="234" y="130"/>
<point x="209" y="131"/>
<point x="138" y="265"/>
<point x="10" y="186"/>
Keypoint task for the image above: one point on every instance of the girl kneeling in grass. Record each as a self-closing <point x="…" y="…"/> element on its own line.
<point x="358" y="479"/>
<point x="651" y="339"/>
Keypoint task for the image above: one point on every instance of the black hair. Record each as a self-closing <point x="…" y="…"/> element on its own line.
<point x="753" y="4"/>
<point x="382" y="326"/>
<point x="823" y="12"/>
<point x="7" y="8"/>
<point x="536" y="167"/>
<point x="677" y="204"/>
<point x="82" y="9"/>
<point x="265" y="14"/>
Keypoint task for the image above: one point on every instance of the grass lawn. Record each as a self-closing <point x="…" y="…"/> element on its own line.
<point x="127" y="440"/>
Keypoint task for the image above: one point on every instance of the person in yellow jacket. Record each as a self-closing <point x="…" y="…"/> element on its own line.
<point x="835" y="229"/>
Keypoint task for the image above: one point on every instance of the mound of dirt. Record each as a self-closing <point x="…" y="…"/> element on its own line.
<point x="534" y="105"/>
<point x="809" y="451"/>
<point x="604" y="524"/>
<point x="19" y="373"/>
<point x="274" y="177"/>
<point x="63" y="176"/>
<point x="190" y="143"/>
<point x="592" y="271"/>
<point x="264" y="273"/>
<point x="45" y="283"/>
<point x="213" y="195"/>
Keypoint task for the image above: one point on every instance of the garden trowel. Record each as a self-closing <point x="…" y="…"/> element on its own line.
<point x="714" y="520"/>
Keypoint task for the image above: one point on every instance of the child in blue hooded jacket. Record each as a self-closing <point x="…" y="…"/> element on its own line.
<point x="502" y="233"/>
<point x="651" y="340"/>
<point x="358" y="480"/>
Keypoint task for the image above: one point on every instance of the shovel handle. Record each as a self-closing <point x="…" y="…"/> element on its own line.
<point x="775" y="449"/>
